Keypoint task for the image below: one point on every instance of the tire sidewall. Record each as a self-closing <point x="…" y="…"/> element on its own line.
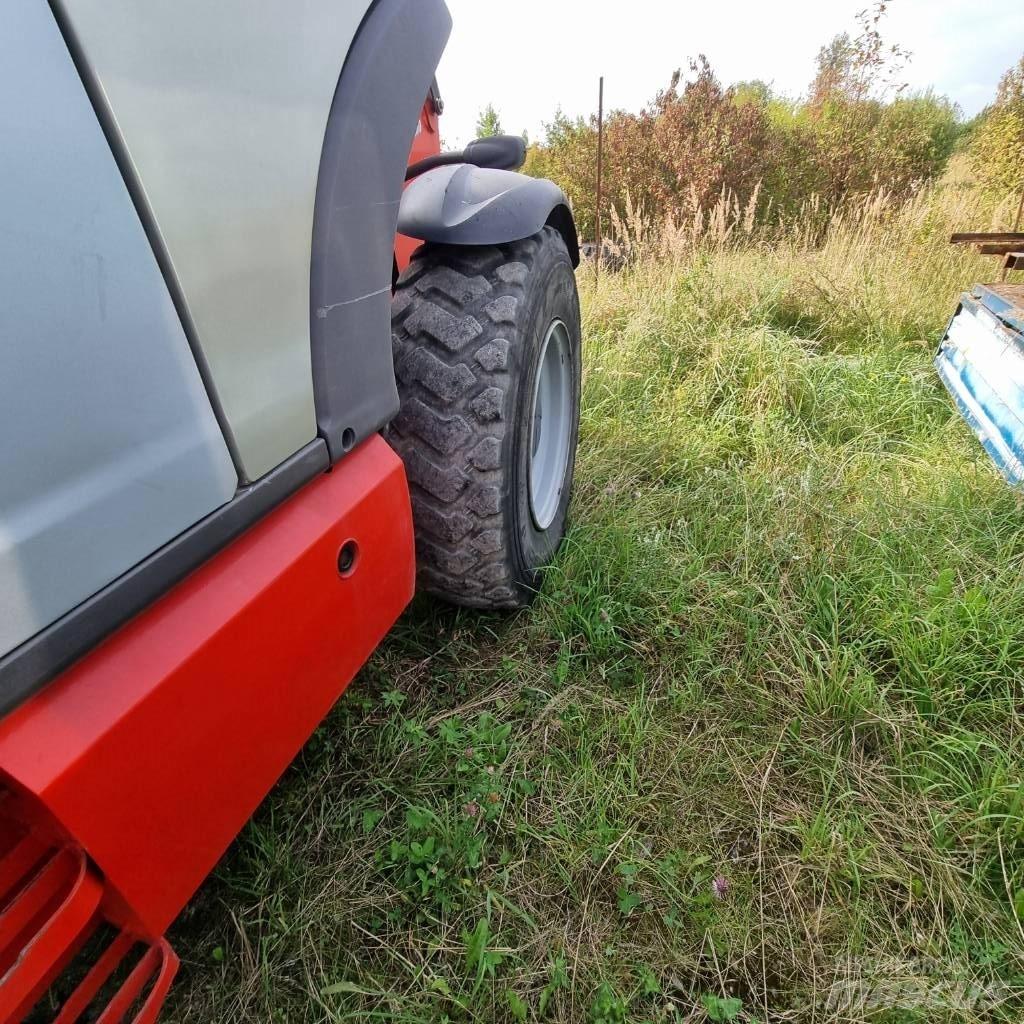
<point x="550" y="295"/>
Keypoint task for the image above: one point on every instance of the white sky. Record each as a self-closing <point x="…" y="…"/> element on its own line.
<point x="528" y="57"/>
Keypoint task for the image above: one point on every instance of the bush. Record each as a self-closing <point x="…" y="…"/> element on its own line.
<point x="694" y="144"/>
<point x="997" y="146"/>
<point x="698" y="144"/>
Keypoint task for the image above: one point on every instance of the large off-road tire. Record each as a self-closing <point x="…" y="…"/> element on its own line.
<point x="490" y="488"/>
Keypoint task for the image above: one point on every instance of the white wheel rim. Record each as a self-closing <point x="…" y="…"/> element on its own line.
<point x="550" y="426"/>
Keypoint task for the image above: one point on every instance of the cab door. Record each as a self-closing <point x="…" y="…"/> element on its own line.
<point x="109" y="446"/>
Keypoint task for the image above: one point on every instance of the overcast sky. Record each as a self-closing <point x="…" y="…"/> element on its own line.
<point x="529" y="57"/>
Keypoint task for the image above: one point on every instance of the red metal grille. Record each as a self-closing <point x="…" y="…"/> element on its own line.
<point x="50" y="899"/>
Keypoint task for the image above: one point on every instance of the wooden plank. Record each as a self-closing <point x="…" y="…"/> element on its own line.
<point x="974" y="237"/>
<point x="998" y="248"/>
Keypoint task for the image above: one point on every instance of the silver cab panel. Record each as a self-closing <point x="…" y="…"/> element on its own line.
<point x="109" y="446"/>
<point x="222" y="108"/>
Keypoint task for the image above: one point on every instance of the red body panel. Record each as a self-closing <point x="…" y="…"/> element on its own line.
<point x="426" y="143"/>
<point x="153" y="750"/>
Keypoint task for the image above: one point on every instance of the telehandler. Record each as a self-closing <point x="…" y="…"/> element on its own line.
<point x="268" y="356"/>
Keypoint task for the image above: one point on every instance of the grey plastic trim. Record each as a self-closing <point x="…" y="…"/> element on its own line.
<point x="386" y="79"/>
<point x="108" y="125"/>
<point x="28" y="668"/>
<point x="466" y="205"/>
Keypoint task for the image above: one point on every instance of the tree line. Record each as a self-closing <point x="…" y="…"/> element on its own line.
<point x="856" y="131"/>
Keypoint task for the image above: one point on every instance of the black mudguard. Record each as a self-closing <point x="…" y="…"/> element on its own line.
<point x="466" y="205"/>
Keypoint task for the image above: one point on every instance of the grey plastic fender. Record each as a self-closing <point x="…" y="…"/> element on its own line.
<point x="370" y="131"/>
<point x="466" y="205"/>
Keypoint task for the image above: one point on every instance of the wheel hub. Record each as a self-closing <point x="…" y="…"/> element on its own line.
<point x="550" y="426"/>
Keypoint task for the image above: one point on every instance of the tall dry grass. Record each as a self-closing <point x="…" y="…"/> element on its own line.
<point x="848" y="232"/>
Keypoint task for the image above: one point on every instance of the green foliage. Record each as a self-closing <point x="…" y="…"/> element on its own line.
<point x="488" y="123"/>
<point x="754" y="92"/>
<point x="628" y="900"/>
<point x="516" y="1005"/>
<point x="721" y="1009"/>
<point x="480" y="959"/>
<point x="569" y="157"/>
<point x="608" y="1007"/>
<point x="557" y="980"/>
<point x="997" y="142"/>
<point x="436" y="858"/>
<point x="854" y="69"/>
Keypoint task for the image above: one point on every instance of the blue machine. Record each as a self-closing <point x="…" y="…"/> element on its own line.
<point x="981" y="362"/>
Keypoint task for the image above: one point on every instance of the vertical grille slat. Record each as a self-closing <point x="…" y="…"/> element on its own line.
<point x="98" y="975"/>
<point x="44" y="926"/>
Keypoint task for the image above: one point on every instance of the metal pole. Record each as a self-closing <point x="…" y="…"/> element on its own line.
<point x="600" y="156"/>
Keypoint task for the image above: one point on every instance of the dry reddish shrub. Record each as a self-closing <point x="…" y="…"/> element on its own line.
<point x="698" y="145"/>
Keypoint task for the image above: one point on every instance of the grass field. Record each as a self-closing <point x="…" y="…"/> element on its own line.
<point x="756" y="752"/>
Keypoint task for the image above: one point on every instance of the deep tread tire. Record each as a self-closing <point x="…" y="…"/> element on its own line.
<point x="468" y="325"/>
